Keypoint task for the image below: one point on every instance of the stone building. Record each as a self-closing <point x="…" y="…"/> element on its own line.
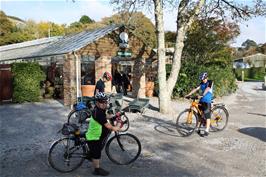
<point x="68" y="59"/>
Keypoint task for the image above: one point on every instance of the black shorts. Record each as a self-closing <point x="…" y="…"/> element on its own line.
<point x="95" y="148"/>
<point x="206" y="109"/>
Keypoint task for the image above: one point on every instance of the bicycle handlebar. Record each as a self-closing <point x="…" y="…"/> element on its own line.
<point x="192" y="97"/>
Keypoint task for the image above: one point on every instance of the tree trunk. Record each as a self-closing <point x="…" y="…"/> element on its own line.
<point x="163" y="92"/>
<point x="184" y="21"/>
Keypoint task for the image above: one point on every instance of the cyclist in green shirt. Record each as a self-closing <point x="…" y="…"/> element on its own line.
<point x="98" y="132"/>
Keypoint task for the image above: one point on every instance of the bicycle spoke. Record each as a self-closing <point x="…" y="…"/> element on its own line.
<point x="124" y="150"/>
<point x="64" y="156"/>
<point x="219" y="118"/>
<point x="186" y="123"/>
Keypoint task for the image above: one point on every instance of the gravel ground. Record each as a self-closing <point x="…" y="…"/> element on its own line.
<point x="27" y="131"/>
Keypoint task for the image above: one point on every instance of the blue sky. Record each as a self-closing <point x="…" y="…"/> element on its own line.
<point x="65" y="11"/>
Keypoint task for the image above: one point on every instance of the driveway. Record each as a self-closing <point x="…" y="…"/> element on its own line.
<point x="27" y="131"/>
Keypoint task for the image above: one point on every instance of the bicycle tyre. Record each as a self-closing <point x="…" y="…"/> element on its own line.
<point x="125" y="154"/>
<point x="78" y="117"/>
<point x="125" y="127"/>
<point x="64" y="156"/>
<point x="223" y="116"/>
<point x="183" y="127"/>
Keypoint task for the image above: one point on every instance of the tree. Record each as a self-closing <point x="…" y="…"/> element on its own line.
<point x="85" y="19"/>
<point x="139" y="25"/>
<point x="6" y="25"/>
<point x="187" y="10"/>
<point x="207" y="41"/>
<point x="249" y="43"/>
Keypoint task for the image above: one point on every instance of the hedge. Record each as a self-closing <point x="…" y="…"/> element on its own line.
<point x="26" y="83"/>
<point x="251" y="73"/>
<point x="223" y="78"/>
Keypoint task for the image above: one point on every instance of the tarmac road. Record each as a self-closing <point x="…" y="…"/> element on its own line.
<point x="27" y="131"/>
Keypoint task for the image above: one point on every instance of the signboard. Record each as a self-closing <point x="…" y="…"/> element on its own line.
<point x="124" y="54"/>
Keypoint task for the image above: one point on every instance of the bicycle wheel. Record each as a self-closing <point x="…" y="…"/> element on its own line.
<point x="186" y="122"/>
<point x="64" y="156"/>
<point x="123" y="149"/>
<point x="219" y="118"/>
<point x="125" y="120"/>
<point x="79" y="117"/>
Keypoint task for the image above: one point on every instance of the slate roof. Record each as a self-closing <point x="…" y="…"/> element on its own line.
<point x="53" y="46"/>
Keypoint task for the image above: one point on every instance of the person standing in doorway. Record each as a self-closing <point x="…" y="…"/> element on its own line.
<point x="126" y="83"/>
<point x="118" y="81"/>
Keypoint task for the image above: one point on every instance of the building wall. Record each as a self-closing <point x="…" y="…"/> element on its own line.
<point x="103" y="50"/>
<point x="107" y="47"/>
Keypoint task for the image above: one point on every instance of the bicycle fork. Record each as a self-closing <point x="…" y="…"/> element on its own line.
<point x="189" y="118"/>
<point x="119" y="142"/>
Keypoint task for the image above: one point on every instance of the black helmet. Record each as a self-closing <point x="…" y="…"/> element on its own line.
<point x="203" y="76"/>
<point x="100" y="96"/>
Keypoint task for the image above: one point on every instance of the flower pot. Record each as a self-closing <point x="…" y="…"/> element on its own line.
<point x="88" y="90"/>
<point x="149" y="89"/>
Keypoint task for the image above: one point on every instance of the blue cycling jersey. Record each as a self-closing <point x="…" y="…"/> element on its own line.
<point x="207" y="98"/>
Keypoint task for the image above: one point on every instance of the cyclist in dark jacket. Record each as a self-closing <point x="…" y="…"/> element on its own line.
<point x="98" y="132"/>
<point x="100" y="85"/>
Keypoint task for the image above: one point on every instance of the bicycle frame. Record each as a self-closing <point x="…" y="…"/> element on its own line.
<point x="194" y="108"/>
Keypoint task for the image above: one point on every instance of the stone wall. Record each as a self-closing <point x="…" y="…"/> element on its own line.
<point x="103" y="50"/>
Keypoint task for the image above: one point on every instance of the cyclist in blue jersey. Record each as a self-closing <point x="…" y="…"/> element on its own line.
<point x="206" y="86"/>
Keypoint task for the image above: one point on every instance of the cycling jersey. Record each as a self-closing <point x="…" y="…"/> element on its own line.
<point x="97" y="130"/>
<point x="207" y="98"/>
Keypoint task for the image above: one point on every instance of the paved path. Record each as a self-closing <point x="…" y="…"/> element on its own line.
<point x="27" y="130"/>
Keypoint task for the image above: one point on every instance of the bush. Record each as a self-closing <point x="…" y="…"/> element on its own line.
<point x="223" y="77"/>
<point x="251" y="73"/>
<point x="27" y="78"/>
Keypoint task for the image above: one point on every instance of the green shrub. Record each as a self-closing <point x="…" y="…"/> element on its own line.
<point x="27" y="77"/>
<point x="251" y="73"/>
<point x="223" y="77"/>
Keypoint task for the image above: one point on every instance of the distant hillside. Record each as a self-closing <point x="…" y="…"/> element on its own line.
<point x="16" y="20"/>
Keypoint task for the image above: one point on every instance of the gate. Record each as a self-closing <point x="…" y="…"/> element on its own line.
<point x="5" y="83"/>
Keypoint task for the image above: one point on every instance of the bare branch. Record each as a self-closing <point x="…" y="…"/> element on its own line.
<point x="238" y="9"/>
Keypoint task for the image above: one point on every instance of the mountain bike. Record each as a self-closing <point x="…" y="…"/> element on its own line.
<point x="187" y="121"/>
<point x="68" y="153"/>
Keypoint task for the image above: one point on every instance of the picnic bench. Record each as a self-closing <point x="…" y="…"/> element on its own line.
<point x="138" y="104"/>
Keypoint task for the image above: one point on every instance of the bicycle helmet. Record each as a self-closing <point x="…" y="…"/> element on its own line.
<point x="100" y="96"/>
<point x="203" y="76"/>
<point x="108" y="76"/>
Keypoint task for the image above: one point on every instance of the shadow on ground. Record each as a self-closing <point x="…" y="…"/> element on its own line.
<point x="166" y="127"/>
<point x="258" y="114"/>
<point x="256" y="132"/>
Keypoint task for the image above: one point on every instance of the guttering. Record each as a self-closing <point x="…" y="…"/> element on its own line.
<point x="77" y="73"/>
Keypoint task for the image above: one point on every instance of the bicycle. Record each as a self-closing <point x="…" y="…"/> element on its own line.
<point x="122" y="149"/>
<point x="188" y="120"/>
<point x="81" y="113"/>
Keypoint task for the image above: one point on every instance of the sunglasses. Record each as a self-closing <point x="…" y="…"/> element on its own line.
<point x="103" y="102"/>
